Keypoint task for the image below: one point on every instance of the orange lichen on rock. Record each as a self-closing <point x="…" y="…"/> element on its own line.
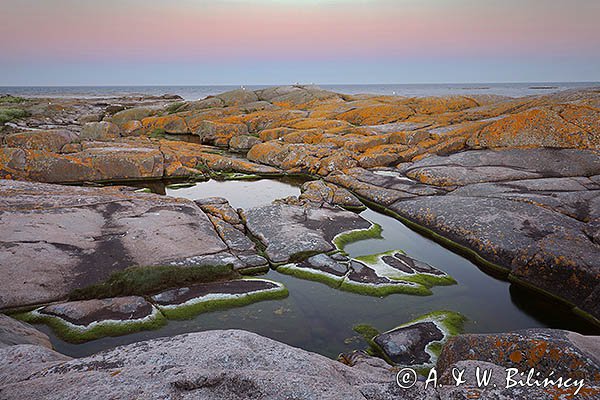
<point x="173" y="124"/>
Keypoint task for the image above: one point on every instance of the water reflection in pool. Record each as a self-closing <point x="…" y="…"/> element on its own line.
<point x="318" y="318"/>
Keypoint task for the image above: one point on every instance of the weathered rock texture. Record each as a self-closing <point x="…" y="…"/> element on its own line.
<point x="55" y="239"/>
<point x="240" y="365"/>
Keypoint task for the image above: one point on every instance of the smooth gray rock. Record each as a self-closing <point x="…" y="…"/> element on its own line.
<point x="58" y="238"/>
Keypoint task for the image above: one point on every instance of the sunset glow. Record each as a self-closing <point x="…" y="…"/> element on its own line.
<point x="202" y="33"/>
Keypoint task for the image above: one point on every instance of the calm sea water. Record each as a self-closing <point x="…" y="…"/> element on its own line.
<point x="199" y="92"/>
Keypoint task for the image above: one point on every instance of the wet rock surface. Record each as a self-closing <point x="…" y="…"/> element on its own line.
<point x="374" y="275"/>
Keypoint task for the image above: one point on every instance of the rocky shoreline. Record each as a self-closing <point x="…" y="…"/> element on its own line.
<point x="512" y="183"/>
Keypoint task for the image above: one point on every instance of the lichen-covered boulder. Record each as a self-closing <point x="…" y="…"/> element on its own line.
<point x="103" y="130"/>
<point x="564" y="353"/>
<point x="52" y="140"/>
<point x="243" y="143"/>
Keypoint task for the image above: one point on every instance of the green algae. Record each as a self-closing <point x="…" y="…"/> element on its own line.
<point x="77" y="334"/>
<point x="421" y="278"/>
<point x="449" y="322"/>
<point x="311" y="275"/>
<point x="146" y="280"/>
<point x="197" y="306"/>
<point x="345" y="238"/>
<point x="383" y="289"/>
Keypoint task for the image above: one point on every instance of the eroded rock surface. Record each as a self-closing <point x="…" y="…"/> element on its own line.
<point x="59" y="238"/>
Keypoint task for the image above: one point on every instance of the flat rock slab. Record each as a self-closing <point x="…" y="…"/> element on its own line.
<point x="55" y="239"/>
<point x="543" y="248"/>
<point x="188" y="301"/>
<point x="492" y="166"/>
<point x="288" y="231"/>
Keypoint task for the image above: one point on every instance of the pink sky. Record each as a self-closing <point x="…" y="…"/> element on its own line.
<point x="260" y="31"/>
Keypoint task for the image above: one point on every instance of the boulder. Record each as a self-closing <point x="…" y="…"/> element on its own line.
<point x="320" y="192"/>
<point x="219" y="134"/>
<point x="243" y="143"/>
<point x="99" y="131"/>
<point x="52" y="140"/>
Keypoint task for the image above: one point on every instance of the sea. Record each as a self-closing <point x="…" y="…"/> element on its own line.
<point x="199" y="92"/>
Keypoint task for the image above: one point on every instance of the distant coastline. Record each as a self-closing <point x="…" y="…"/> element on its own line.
<point x="199" y="92"/>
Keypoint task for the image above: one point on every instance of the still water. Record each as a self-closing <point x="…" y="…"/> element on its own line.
<point x="318" y="318"/>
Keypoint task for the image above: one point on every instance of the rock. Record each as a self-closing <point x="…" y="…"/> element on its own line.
<point x="320" y="192"/>
<point x="567" y="354"/>
<point x="96" y="162"/>
<point x="84" y="234"/>
<point x="90" y="118"/>
<point x="291" y="231"/>
<point x="14" y="332"/>
<point x="132" y="128"/>
<point x="99" y="131"/>
<point x="189" y="301"/>
<point x="418" y="343"/>
<point x="52" y="140"/>
<point x="19" y="362"/>
<point x="172" y="124"/>
<point x="491" y="166"/>
<point x="496" y="388"/>
<point x="79" y="321"/>
<point x="211" y="200"/>
<point x="210" y="365"/>
<point x="137" y="114"/>
<point x="243" y="143"/>
<point x="360" y="276"/>
<point x="219" y="134"/>
<point x="238" y="97"/>
<point x="564" y="127"/>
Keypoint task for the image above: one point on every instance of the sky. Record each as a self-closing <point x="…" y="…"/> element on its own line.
<point x="201" y="42"/>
